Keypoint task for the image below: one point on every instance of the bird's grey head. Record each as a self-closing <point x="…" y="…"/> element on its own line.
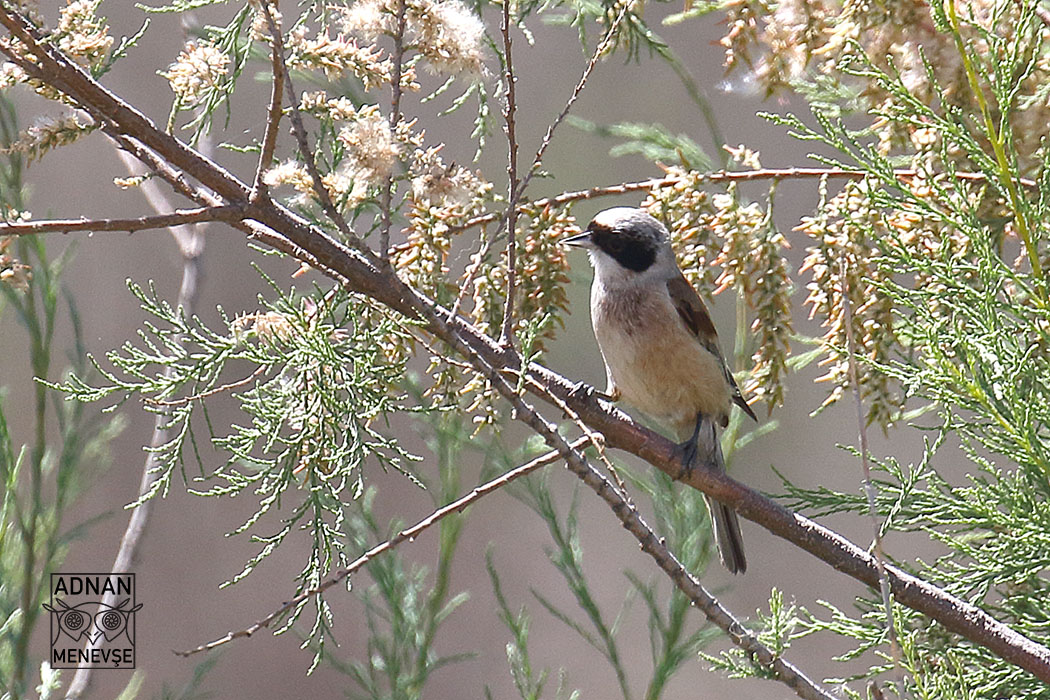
<point x="626" y="242"/>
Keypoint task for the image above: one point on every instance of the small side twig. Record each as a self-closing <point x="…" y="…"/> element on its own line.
<point x="179" y="217"/>
<point x="713" y="177"/>
<point x="190" y="241"/>
<point x="410" y="533"/>
<point x="299" y="132"/>
<point x="206" y="394"/>
<point x="597" y="439"/>
<point x="869" y="487"/>
<point x="599" y="51"/>
<point x="386" y="202"/>
<point x="273" y="118"/>
<point x="513" y="190"/>
<point x="517" y="189"/>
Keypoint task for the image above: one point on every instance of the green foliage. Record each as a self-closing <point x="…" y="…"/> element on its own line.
<point x="405" y="606"/>
<point x="776" y="629"/>
<point x="681" y="519"/>
<point x="232" y="42"/>
<point x="319" y="390"/>
<point x="961" y="266"/>
<point x="528" y="683"/>
<point x="651" y="141"/>
<point x="42" y="473"/>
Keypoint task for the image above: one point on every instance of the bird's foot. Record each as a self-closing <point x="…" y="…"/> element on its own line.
<point x="687" y="451"/>
<point x="582" y="391"/>
<point x="701" y="449"/>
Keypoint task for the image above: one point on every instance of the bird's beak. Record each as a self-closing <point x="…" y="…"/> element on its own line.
<point x="580" y="240"/>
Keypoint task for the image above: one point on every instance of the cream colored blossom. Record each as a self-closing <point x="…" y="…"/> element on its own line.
<point x="339" y="56"/>
<point x="367" y="19"/>
<point x="261" y="26"/>
<point x="126" y="183"/>
<point x="371" y="148"/>
<point x="289" y="173"/>
<point x="11" y="74"/>
<point x="13" y="273"/>
<point x="320" y="105"/>
<point x="446" y="32"/>
<point x="437" y="184"/>
<point x="269" y="327"/>
<point x="200" y="67"/>
<point x="346" y="186"/>
<point x="49" y="133"/>
<point x="82" y="34"/>
<point x="341" y="109"/>
<point x="451" y="37"/>
<point x="779" y="43"/>
<point x="16" y="277"/>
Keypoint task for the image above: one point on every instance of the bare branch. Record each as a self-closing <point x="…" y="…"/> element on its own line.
<point x="273" y="115"/>
<point x="510" y="216"/>
<point x="410" y="533"/>
<point x="869" y="487"/>
<point x="179" y="217"/>
<point x="718" y="176"/>
<point x="190" y="241"/>
<point x="299" y="131"/>
<point x="395" y="118"/>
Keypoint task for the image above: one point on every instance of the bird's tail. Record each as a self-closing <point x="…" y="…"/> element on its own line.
<point x="724" y="523"/>
<point x="726" y="529"/>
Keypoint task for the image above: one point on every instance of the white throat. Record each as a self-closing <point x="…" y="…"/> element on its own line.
<point x="610" y="274"/>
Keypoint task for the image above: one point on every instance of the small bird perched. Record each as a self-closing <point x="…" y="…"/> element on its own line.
<point x="660" y="348"/>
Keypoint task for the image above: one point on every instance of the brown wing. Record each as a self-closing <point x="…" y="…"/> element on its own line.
<point x="694" y="315"/>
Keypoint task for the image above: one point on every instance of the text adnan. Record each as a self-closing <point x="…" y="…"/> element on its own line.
<point x="73" y="584"/>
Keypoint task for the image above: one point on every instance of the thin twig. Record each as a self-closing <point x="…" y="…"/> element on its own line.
<point x="273" y="118"/>
<point x="386" y="203"/>
<point x="299" y="131"/>
<point x="597" y="439"/>
<point x="410" y="534"/>
<point x="207" y="394"/>
<point x="869" y="486"/>
<point x="599" y="51"/>
<point x="510" y="217"/>
<point x="719" y="176"/>
<point x="470" y="273"/>
<point x="190" y="241"/>
<point x="517" y="192"/>
<point x="179" y="217"/>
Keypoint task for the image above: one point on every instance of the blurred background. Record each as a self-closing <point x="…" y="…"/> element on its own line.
<point x="185" y="556"/>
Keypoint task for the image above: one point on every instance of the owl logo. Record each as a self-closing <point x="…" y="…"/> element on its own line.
<point x="93" y="621"/>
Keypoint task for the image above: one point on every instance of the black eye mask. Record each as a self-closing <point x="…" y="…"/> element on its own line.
<point x="630" y="251"/>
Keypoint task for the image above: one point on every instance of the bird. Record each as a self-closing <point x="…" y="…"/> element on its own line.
<point x="660" y="347"/>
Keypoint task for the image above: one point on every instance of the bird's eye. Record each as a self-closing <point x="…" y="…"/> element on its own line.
<point x="614" y="243"/>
